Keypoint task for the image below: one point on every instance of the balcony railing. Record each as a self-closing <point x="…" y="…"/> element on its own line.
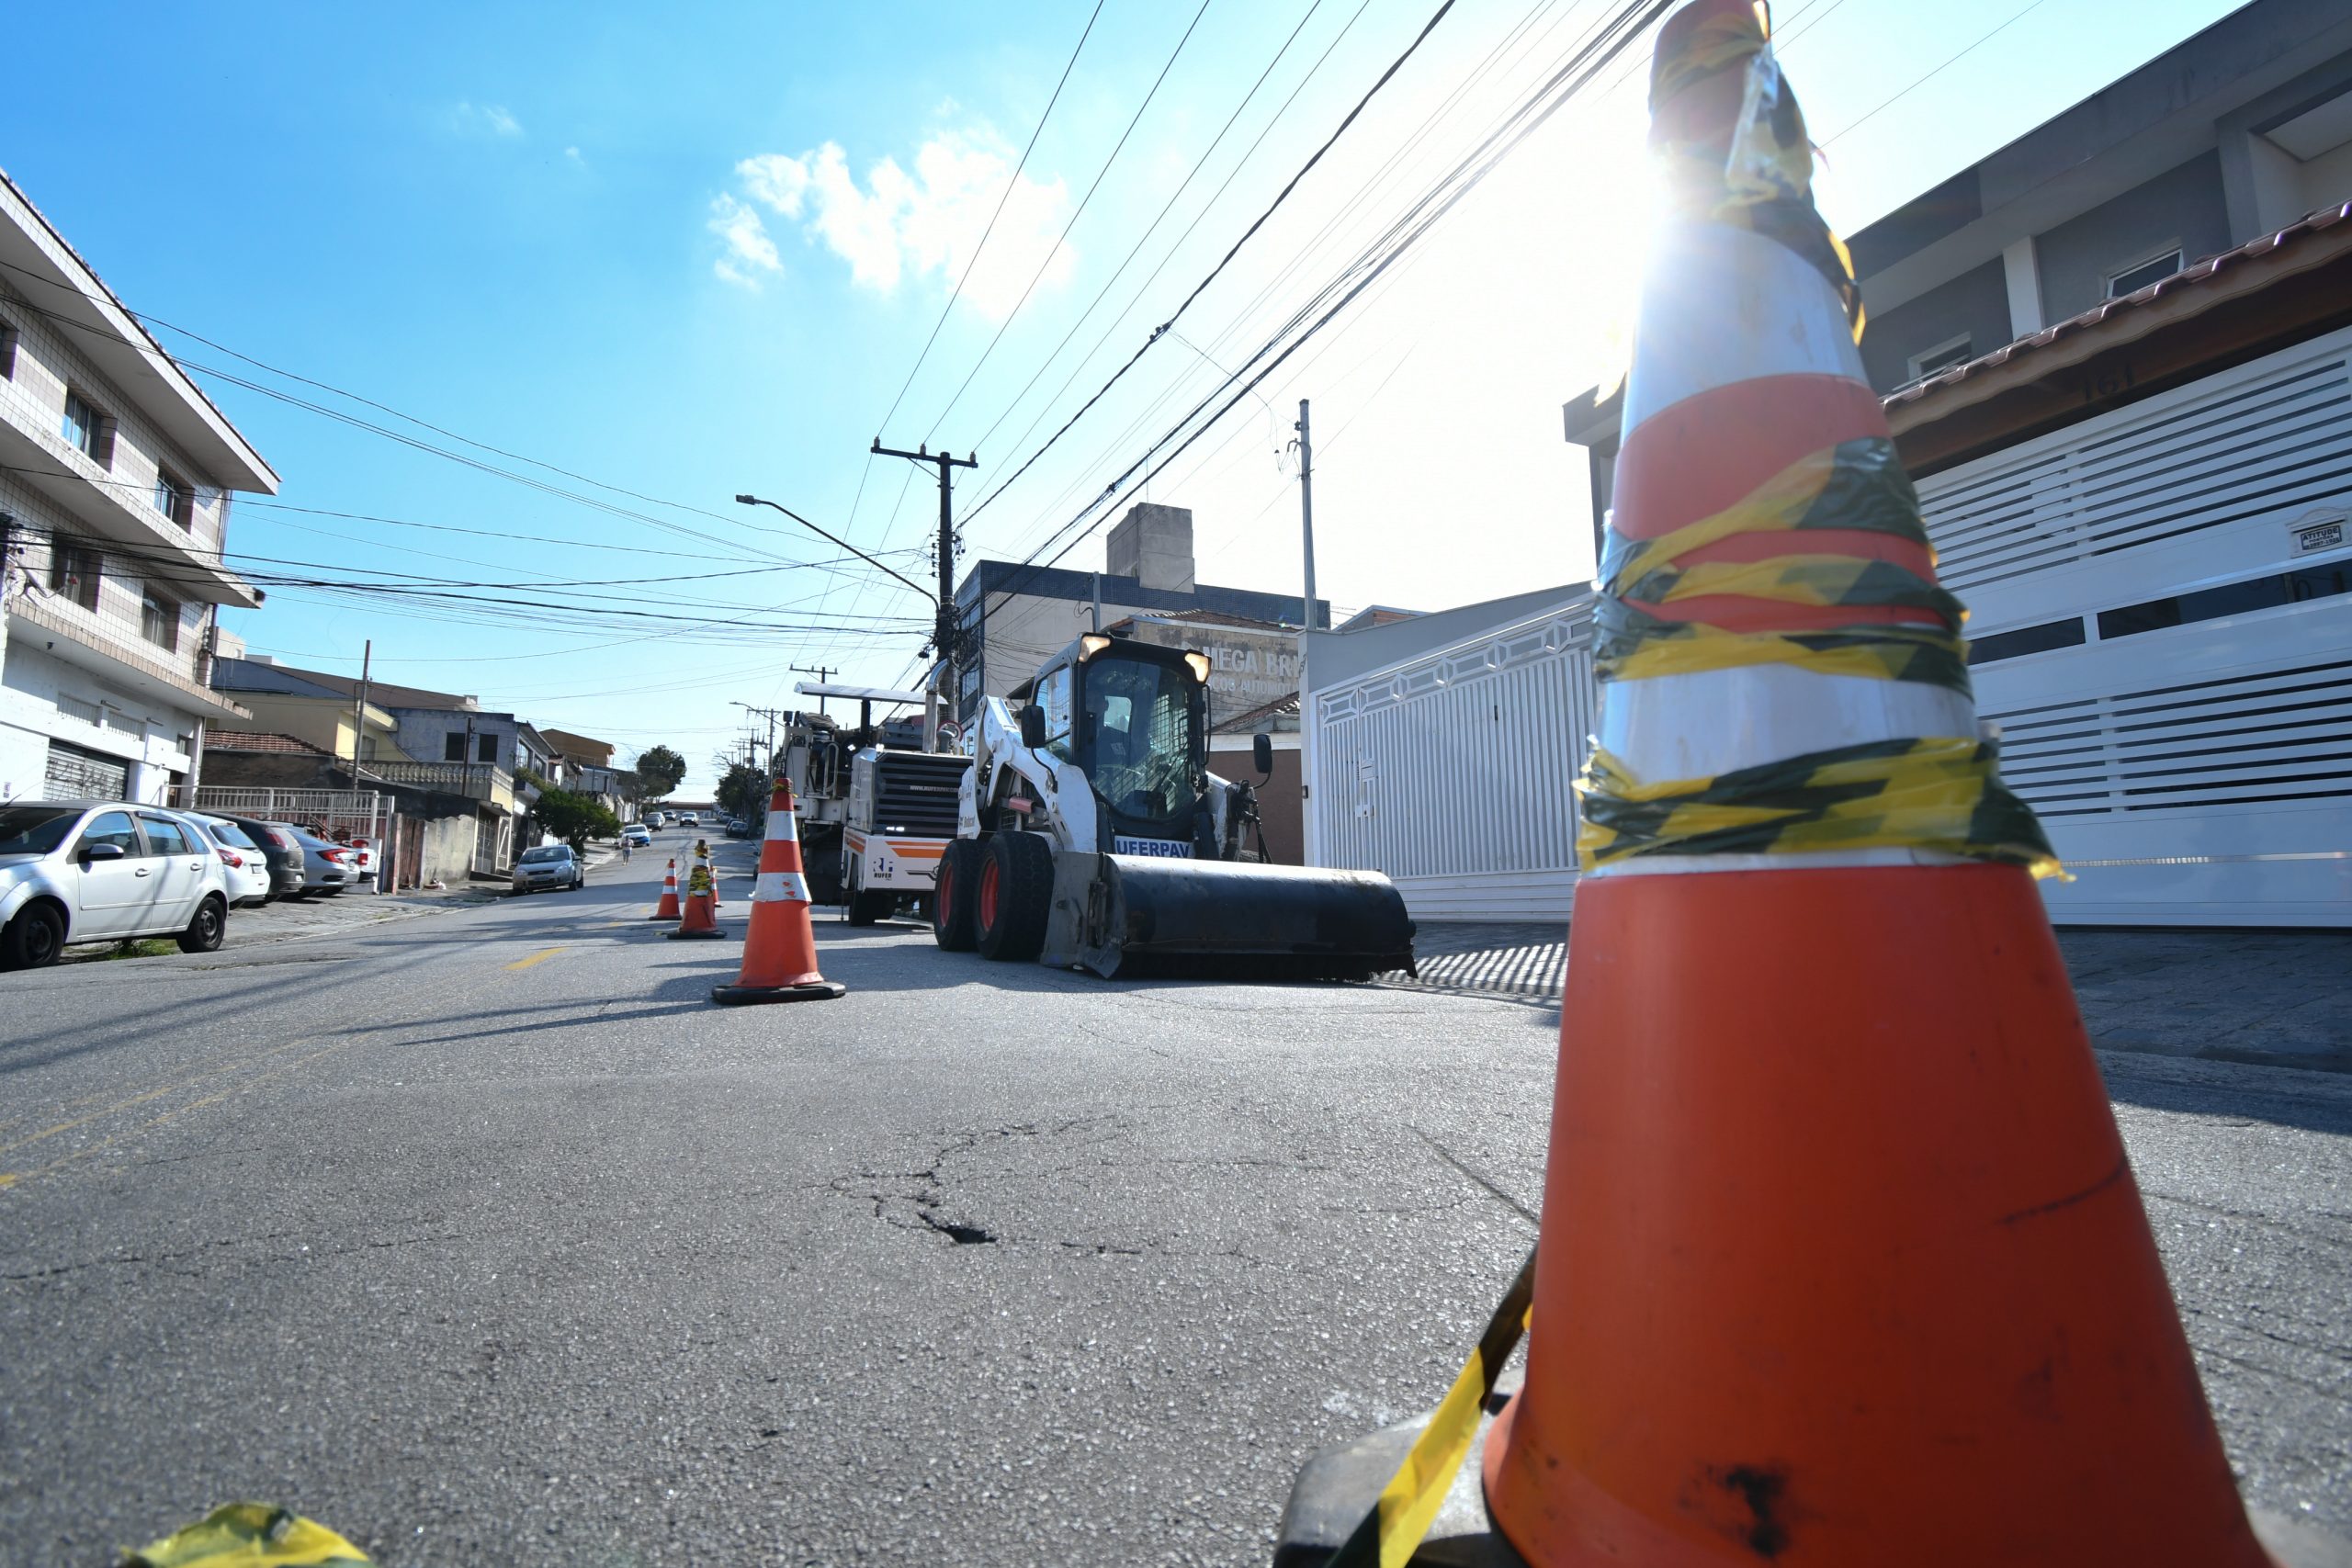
<point x="483" y="781"/>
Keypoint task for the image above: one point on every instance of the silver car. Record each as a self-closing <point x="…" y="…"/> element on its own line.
<point x="549" y="865"/>
<point x="76" y="871"/>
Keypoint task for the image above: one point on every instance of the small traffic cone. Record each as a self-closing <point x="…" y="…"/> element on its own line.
<point x="700" y="918"/>
<point x="667" y="909"/>
<point x="780" y="949"/>
<point x="1842" y="1263"/>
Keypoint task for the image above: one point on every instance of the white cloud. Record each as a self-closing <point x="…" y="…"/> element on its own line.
<point x="750" y="251"/>
<point x="492" y="117"/>
<point x="572" y="153"/>
<point x="927" y="222"/>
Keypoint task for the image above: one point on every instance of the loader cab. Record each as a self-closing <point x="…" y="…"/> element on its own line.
<point x="1133" y="716"/>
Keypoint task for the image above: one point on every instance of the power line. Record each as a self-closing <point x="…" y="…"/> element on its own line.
<point x="1856" y="125"/>
<point x="1102" y="174"/>
<point x="1170" y="205"/>
<point x="1227" y="260"/>
<point x="1609" y="41"/>
<point x="1011" y="186"/>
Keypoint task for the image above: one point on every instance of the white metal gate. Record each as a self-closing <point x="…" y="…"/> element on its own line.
<point x="1452" y="771"/>
<point x="2163" y="631"/>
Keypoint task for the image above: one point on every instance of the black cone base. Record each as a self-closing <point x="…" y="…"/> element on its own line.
<point x="1340" y="1483"/>
<point x="661" y="917"/>
<point x="809" y="991"/>
<point x="688" y="936"/>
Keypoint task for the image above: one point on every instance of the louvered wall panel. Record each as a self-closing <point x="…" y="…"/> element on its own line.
<point x="2199" y="773"/>
<point x="1451" y="772"/>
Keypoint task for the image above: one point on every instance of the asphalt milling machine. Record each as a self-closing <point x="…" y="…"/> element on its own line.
<point x="1090" y="834"/>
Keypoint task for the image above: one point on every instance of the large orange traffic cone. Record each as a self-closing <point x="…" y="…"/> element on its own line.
<point x="700" y="917"/>
<point x="667" y="909"/>
<point x="1842" y="1261"/>
<point x="780" y="949"/>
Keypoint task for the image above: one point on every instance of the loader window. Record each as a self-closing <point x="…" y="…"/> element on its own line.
<point x="1136" y="737"/>
<point x="1053" y="696"/>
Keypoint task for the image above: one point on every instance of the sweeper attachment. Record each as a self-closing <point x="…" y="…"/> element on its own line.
<point x="1093" y="834"/>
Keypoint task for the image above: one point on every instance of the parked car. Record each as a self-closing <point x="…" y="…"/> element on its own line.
<point x="77" y="871"/>
<point x="282" y="850"/>
<point x="244" y="865"/>
<point x="363" y="858"/>
<point x="549" y="865"/>
<point x="637" y="836"/>
<point x="657" y="819"/>
<point x="326" y="865"/>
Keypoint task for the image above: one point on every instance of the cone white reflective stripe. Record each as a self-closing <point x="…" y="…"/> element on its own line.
<point x="1708" y="287"/>
<point x="781" y="887"/>
<point x="782" y="825"/>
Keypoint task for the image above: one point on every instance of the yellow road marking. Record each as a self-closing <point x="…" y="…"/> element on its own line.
<point x="539" y="957"/>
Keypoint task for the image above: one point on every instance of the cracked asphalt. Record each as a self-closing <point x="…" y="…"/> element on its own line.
<point x="483" y="1237"/>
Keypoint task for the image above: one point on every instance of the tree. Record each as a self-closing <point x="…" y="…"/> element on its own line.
<point x="659" y="770"/>
<point x="574" y="819"/>
<point x="744" y="790"/>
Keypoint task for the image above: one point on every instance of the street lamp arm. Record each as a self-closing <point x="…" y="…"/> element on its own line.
<point x="928" y="596"/>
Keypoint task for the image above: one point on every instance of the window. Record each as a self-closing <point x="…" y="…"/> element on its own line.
<point x="110" y="827"/>
<point x="1053" y="696"/>
<point x="8" y="352"/>
<point x="88" y="429"/>
<point x="2139" y="273"/>
<point x="175" y="498"/>
<point x="2230" y="598"/>
<point x="1943" y="356"/>
<point x="453" y="747"/>
<point x="2043" y="639"/>
<point x="73" y="571"/>
<point x="485" y="748"/>
<point x="159" y="620"/>
<point x="166" y="838"/>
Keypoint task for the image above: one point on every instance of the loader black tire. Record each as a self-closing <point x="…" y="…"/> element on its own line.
<point x="952" y="910"/>
<point x="1014" y="895"/>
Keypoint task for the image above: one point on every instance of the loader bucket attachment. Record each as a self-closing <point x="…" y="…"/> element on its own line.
<point x="1125" y="916"/>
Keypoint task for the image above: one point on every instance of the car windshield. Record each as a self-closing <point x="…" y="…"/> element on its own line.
<point x="545" y="853"/>
<point x="35" y="830"/>
<point x="1136" y="735"/>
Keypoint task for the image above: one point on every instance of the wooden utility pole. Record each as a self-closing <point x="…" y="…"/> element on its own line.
<point x="942" y="634"/>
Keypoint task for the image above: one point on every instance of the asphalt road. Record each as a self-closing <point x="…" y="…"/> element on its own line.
<point x="483" y="1237"/>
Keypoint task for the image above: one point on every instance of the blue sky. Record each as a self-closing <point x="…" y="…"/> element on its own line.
<point x="698" y="252"/>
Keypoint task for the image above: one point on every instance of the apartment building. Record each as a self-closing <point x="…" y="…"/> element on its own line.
<point x="116" y="476"/>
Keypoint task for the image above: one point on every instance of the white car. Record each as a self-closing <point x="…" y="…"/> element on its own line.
<point x="549" y="865"/>
<point x="637" y="836"/>
<point x="77" y="871"/>
<point x="245" y="867"/>
<point x="690" y="818"/>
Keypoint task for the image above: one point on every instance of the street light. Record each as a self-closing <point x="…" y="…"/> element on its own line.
<point x="928" y="596"/>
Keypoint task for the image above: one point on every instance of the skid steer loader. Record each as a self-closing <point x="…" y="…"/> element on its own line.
<point x="1090" y="834"/>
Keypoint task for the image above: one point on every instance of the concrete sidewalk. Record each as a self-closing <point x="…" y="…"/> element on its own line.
<point x="2265" y="998"/>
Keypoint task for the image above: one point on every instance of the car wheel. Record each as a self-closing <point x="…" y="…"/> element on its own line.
<point x="951" y="905"/>
<point x="1014" y="895"/>
<point x="578" y="882"/>
<point x="206" y="928"/>
<point x="33" y="938"/>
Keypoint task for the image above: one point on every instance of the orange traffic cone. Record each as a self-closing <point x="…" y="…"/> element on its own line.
<point x="1841" y="1257"/>
<point x="780" y="949"/>
<point x="667" y="909"/>
<point x="700" y="917"/>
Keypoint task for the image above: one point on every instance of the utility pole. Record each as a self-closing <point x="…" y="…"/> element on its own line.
<point x="943" y="637"/>
<point x="1307" y="625"/>
<point x="359" y="709"/>
<point x="823" y="674"/>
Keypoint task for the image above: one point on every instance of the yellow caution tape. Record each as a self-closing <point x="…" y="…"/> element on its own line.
<point x="248" y="1535"/>
<point x="1942" y="794"/>
<point x="1392" y="1531"/>
<point x="1854" y="487"/>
